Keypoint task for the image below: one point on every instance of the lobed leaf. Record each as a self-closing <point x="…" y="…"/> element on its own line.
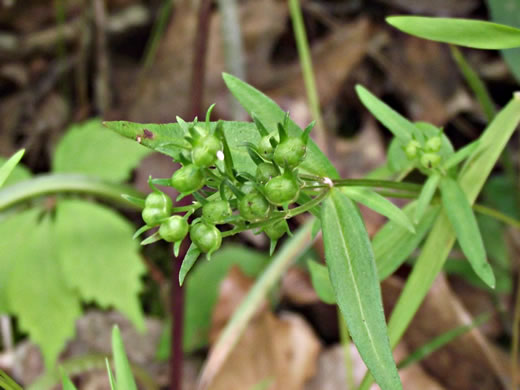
<point x="354" y="277"/>
<point x="460" y="214"/>
<point x="476" y="34"/>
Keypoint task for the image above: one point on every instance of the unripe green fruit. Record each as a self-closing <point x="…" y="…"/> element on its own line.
<point x="276" y="229"/>
<point x="290" y="152"/>
<point x="433" y="144"/>
<point x="207" y="237"/>
<point x="430" y="160"/>
<point x="282" y="190"/>
<point x="204" y="153"/>
<point x="265" y="148"/>
<point x="174" y="229"/>
<point x="411" y="149"/>
<point x="216" y="212"/>
<point x="265" y="172"/>
<point x="188" y="179"/>
<point x="253" y="206"/>
<point x="157" y="206"/>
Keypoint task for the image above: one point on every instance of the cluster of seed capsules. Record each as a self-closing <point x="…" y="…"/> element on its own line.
<point x="426" y="156"/>
<point x="224" y="196"/>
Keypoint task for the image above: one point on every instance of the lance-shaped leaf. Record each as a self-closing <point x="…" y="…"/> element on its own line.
<point x="379" y="204"/>
<point x="354" y="277"/>
<point x="460" y="214"/>
<point x="124" y="377"/>
<point x="190" y="258"/>
<point x="9" y="165"/>
<point x="477" y="34"/>
<point x="426" y="195"/>
<point x="401" y="127"/>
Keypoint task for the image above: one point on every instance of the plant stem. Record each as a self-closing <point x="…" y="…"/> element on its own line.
<point x="64" y="183"/>
<point x="378" y="183"/>
<point x="302" y="45"/>
<point x="177" y="314"/>
<point x="484" y="210"/>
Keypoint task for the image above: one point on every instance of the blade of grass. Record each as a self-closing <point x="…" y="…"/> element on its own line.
<point x="9" y="165"/>
<point x="124" y="377"/>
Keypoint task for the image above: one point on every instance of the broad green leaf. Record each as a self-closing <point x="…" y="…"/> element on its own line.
<point x="97" y="253"/>
<point x="124" y="377"/>
<point x="321" y="282"/>
<point x="202" y="289"/>
<point x="507" y="12"/>
<point x="7" y="167"/>
<point x="401" y="127"/>
<point x="393" y="244"/>
<point x="38" y="295"/>
<point x="354" y="277"/>
<point x="166" y="138"/>
<point x="270" y="114"/>
<point x="66" y="382"/>
<point x="477" y="34"/>
<point x="426" y="196"/>
<point x="460" y="214"/>
<point x="379" y="204"/>
<point x="90" y="149"/>
<point x="189" y="260"/>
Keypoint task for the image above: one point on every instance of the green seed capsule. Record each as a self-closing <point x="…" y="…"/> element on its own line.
<point x="265" y="148"/>
<point x="188" y="179"/>
<point x="253" y="206"/>
<point x="277" y="229"/>
<point x="204" y="153"/>
<point x="411" y="149"/>
<point x="157" y="206"/>
<point x="216" y="212"/>
<point x="174" y="229"/>
<point x="290" y="152"/>
<point x="433" y="144"/>
<point x="282" y="190"/>
<point x="430" y="160"/>
<point x="265" y="172"/>
<point x="207" y="237"/>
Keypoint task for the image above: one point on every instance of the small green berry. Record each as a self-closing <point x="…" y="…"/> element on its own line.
<point x="277" y="229"/>
<point x="157" y="206"/>
<point x="188" y="179"/>
<point x="290" y="152"/>
<point x="281" y="190"/>
<point x="253" y="206"/>
<point x="433" y="144"/>
<point x="265" y="148"/>
<point x="204" y="153"/>
<point x="430" y="160"/>
<point x="207" y="237"/>
<point x="265" y="172"/>
<point x="411" y="149"/>
<point x="174" y="229"/>
<point x="216" y="212"/>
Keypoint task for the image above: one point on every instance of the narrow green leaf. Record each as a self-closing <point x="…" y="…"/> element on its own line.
<point x="461" y="155"/>
<point x="267" y="111"/>
<point x="138" y="202"/>
<point x="9" y="165"/>
<point x="507" y="12"/>
<point x="321" y="282"/>
<point x="393" y="244"/>
<point x="124" y="377"/>
<point x="460" y="214"/>
<point x="379" y="204"/>
<point x="190" y="258"/>
<point x="475" y="83"/>
<point x="476" y="34"/>
<point x="111" y="379"/>
<point x="8" y="382"/>
<point x="401" y="127"/>
<point x="354" y="277"/>
<point x="440" y="341"/>
<point x="66" y="382"/>
<point x="426" y="195"/>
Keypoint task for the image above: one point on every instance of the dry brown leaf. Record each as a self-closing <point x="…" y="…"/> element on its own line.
<point x="283" y="350"/>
